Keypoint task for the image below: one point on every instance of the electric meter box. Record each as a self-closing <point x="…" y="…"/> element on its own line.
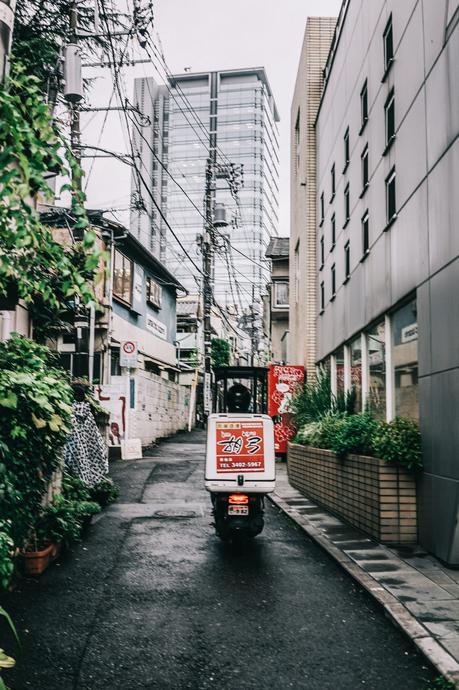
<point x="240" y="454"/>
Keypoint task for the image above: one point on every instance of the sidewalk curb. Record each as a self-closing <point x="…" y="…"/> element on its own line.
<point x="398" y="614"/>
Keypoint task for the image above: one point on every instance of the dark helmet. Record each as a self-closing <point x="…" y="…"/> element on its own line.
<point x="238" y="398"/>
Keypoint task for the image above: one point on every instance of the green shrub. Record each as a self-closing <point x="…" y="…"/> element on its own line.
<point x="352" y="434"/>
<point x="73" y="489"/>
<point x="35" y="409"/>
<point x="104" y="493"/>
<point x="314" y="399"/>
<point x="399" y="442"/>
<point x="6" y="554"/>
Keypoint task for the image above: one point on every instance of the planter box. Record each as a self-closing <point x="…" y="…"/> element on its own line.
<point x="375" y="497"/>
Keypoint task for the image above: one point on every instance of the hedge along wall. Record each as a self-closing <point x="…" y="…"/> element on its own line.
<point x="378" y="498"/>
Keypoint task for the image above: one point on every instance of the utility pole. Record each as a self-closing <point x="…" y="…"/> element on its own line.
<point x="207" y="268"/>
<point x="253" y="331"/>
<point x="73" y="94"/>
<point x="7" y="9"/>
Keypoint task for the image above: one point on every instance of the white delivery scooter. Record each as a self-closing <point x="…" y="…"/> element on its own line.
<point x="240" y="466"/>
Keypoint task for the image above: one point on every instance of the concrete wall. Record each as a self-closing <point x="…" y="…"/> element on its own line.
<point x="419" y="253"/>
<point x="316" y="44"/>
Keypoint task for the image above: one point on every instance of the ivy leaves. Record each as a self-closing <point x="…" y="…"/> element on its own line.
<point x="45" y="272"/>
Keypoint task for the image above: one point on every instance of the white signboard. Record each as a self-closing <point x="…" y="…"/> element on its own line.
<point x="131" y="449"/>
<point x="128" y="353"/>
<point x="113" y="398"/>
<point x="156" y="327"/>
<point x="137" y="289"/>
<point x="207" y="393"/>
<point x="409" y="333"/>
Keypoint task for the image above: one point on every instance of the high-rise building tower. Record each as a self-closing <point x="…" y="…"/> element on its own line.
<point x="233" y="111"/>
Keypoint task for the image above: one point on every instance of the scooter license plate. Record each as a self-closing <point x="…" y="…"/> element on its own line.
<point x="238" y="510"/>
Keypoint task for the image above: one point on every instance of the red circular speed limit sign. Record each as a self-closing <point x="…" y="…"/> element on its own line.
<point x="129" y="347"/>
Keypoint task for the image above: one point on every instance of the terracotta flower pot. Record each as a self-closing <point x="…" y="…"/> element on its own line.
<point x="36" y="562"/>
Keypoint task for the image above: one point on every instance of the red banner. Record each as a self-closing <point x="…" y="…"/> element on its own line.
<point x="282" y="383"/>
<point x="240" y="447"/>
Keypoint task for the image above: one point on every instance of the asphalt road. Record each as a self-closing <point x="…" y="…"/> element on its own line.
<point x="152" y="599"/>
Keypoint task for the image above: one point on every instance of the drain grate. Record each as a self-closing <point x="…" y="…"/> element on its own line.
<point x="174" y="514"/>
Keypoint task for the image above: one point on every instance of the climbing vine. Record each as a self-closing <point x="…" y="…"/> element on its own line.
<point x="42" y="270"/>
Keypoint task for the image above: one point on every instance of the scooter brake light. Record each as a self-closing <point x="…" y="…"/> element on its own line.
<point x="238" y="499"/>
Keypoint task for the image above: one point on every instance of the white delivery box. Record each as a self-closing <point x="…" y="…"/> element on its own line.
<point x="240" y="453"/>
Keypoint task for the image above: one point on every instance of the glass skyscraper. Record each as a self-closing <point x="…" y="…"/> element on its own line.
<point x="235" y="109"/>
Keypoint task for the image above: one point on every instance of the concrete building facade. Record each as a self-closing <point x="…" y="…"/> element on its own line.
<point x="306" y="99"/>
<point x="387" y="246"/>
<point x="277" y="309"/>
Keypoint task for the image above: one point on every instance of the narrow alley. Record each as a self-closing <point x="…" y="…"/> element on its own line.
<point x="152" y="599"/>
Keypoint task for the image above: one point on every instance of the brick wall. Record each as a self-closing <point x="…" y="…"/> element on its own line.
<point x="371" y="495"/>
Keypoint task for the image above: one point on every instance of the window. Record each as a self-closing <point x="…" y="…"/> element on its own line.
<point x="154" y="293"/>
<point x="281" y="293"/>
<point x="363" y="106"/>
<point x="391" y="207"/>
<point x="297" y="140"/>
<point x="347" y="260"/>
<point x="333" y="281"/>
<point x="389" y="110"/>
<point x="333" y="231"/>
<point x="339" y="357"/>
<point x="365" y="171"/>
<point x="322" y="252"/>
<point x="333" y="182"/>
<point x="322" y="296"/>
<point x="356" y="371"/>
<point x="122" y="277"/>
<point x="405" y="358"/>
<point x="322" y="208"/>
<point x="365" y="233"/>
<point x="377" y="371"/>
<point x="347" y="207"/>
<point x="346" y="149"/>
<point x="388" y="39"/>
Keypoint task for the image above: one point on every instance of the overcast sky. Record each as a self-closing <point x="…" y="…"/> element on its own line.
<point x="227" y="34"/>
<point x="207" y="35"/>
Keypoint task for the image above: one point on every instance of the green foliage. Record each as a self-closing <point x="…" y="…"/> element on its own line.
<point x="47" y="274"/>
<point x="399" y="442"/>
<point x="220" y="352"/>
<point x="63" y="521"/>
<point x="6" y="554"/>
<point x="73" y="489"/>
<point x="104" y="493"/>
<point x="41" y="27"/>
<point x="35" y="407"/>
<point x="314" y="400"/>
<point x="345" y="434"/>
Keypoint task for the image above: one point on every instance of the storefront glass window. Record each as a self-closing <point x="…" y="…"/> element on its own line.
<point x="340" y="371"/>
<point x="405" y="358"/>
<point x="377" y="371"/>
<point x="356" y="372"/>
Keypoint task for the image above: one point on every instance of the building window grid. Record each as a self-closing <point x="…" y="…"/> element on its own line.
<point x="333" y="232"/>
<point x="347" y="261"/>
<point x="332" y="182"/>
<point x="363" y="106"/>
<point x="365" y="169"/>
<point x="347" y="205"/>
<point x="333" y="281"/>
<point x="391" y="203"/>
<point x="322" y="208"/>
<point x="346" y="149"/>
<point x="388" y="42"/>
<point x="365" y="234"/>
<point x="389" y="119"/>
<point x="322" y="296"/>
<point x="322" y="252"/>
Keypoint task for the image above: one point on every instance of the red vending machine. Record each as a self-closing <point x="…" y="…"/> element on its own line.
<point x="282" y="383"/>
